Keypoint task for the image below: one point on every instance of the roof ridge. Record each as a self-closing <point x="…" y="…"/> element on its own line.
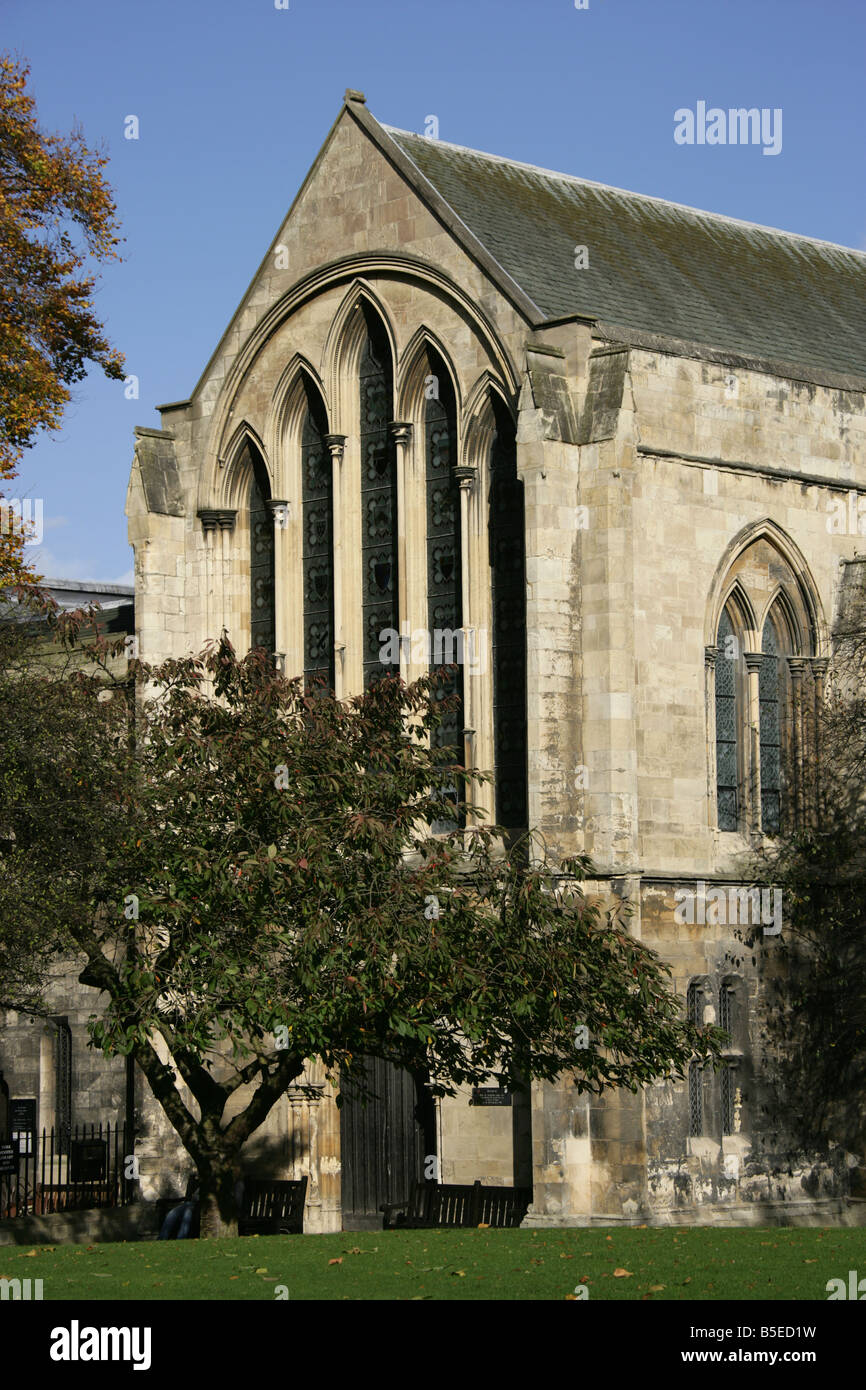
<point x="630" y="193"/>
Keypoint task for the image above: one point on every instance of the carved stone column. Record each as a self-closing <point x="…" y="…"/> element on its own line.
<point x="337" y="446"/>
<point x="710" y="658"/>
<point x="401" y="434"/>
<point x="217" y="523"/>
<point x="281" y="515"/>
<point x="753" y="662"/>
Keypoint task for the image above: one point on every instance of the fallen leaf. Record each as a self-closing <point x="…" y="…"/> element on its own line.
<point x="656" y="1288"/>
<point x="260" y="1271"/>
<point x="31" y="1253"/>
<point x="338" y="1261"/>
<point x="460" y="1273"/>
<point x="622" y="1274"/>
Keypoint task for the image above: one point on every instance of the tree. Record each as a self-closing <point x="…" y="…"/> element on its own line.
<point x="56" y="214"/>
<point x="292" y="904"/>
<point x="288" y="903"/>
<point x="65" y="766"/>
<point x="816" y="1018"/>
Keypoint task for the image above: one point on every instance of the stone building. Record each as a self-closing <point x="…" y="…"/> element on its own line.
<point x="619" y="443"/>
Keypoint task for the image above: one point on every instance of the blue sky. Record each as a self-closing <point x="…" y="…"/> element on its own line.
<point x="235" y="97"/>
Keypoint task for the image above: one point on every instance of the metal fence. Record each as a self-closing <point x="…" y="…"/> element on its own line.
<point x="73" y="1169"/>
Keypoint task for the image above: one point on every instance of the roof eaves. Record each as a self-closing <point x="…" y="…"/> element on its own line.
<point x="705" y="352"/>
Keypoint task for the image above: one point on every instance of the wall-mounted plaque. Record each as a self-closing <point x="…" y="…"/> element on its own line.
<point x="22" y="1115"/>
<point x="490" y="1095"/>
<point x="8" y="1159"/>
<point x="88" y="1160"/>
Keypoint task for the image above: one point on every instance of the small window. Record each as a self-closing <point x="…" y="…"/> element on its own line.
<point x="697" y="997"/>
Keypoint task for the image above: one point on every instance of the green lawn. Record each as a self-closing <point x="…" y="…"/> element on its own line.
<point x="698" y="1263"/>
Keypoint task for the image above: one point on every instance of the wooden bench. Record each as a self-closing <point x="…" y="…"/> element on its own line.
<point x="455" y="1204"/>
<point x="272" y="1207"/>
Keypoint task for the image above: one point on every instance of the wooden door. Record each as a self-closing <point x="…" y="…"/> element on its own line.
<point x="384" y="1142"/>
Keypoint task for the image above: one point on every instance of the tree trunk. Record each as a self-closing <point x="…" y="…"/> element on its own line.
<point x="219" y="1176"/>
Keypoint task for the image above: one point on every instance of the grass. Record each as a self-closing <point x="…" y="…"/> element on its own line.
<point x="661" y="1264"/>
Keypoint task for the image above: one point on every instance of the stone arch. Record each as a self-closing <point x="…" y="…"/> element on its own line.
<point x="341" y="356"/>
<point x="351" y="269"/>
<point x="779" y="610"/>
<point x="243" y="455"/>
<point x="285" y="418"/>
<point x="801" y="591"/>
<point x="411" y="375"/>
<point x="741" y="611"/>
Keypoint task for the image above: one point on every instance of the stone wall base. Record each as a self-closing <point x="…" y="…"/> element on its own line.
<point x="138" y="1221"/>
<point x="840" y="1212"/>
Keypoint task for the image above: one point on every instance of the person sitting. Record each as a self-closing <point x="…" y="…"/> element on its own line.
<point x="183" y="1220"/>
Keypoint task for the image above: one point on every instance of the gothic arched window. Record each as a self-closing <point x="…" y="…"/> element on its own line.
<point x="318" y="555"/>
<point x="727" y="725"/>
<point x="262" y="600"/>
<point x="766" y="696"/>
<point x="378" y="500"/>
<point x="508" y="578"/>
<point x="444" y="572"/>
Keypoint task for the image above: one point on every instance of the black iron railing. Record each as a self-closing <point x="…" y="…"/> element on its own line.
<point x="80" y="1167"/>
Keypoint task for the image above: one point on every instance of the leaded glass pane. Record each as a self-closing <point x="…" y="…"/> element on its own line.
<point x="725" y="1012"/>
<point x="727" y="768"/>
<point x="770" y="732"/>
<point x="696" y="1100"/>
<point x="378" y="503"/>
<point x="444" y="597"/>
<point x="262" y="604"/>
<point x="318" y="558"/>
<point x="508" y="567"/>
<point x="728" y="1088"/>
<point x="695" y="1014"/>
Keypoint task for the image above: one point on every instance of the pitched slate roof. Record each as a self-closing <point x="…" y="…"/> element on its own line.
<point x="655" y="268"/>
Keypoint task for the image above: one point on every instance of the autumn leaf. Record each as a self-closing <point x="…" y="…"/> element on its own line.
<point x="622" y="1274"/>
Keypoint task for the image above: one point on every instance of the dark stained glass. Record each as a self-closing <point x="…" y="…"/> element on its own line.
<point x="508" y="569"/>
<point x="318" y="554"/>
<point x="727" y="772"/>
<point x="728" y="1088"/>
<point x="444" y="597"/>
<point x="262" y="600"/>
<point x="378" y="503"/>
<point x="695" y="999"/>
<point x="725" y="1011"/>
<point x="770" y="732"/>
<point x="443" y="539"/>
